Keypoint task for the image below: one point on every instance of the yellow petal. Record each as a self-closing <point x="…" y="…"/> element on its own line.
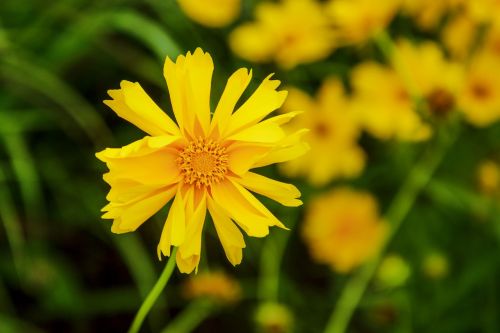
<point x="242" y="156"/>
<point x="290" y="148"/>
<point x="265" y="132"/>
<point x="230" y="236"/>
<point x="244" y="208"/>
<point x="133" y="104"/>
<point x="129" y="217"/>
<point x="263" y="101"/>
<point x="196" y="219"/>
<point x="140" y="147"/>
<point x="147" y="166"/>
<point x="189" y="82"/>
<point x="187" y="265"/>
<point x="286" y="194"/>
<point x="235" y="87"/>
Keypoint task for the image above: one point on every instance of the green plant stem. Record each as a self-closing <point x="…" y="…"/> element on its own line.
<point x="270" y="262"/>
<point x="154" y="293"/>
<point x="196" y="312"/>
<point x="419" y="176"/>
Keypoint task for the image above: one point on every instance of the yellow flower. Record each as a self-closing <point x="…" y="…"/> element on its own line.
<point x="290" y="32"/>
<point x="459" y="35"/>
<point x="211" y="13"/>
<point x="333" y="134"/>
<point x="202" y="162"/>
<point x="483" y="11"/>
<point x="384" y="104"/>
<point x="215" y="285"/>
<point x="420" y="63"/>
<point x="343" y="229"/>
<point x="359" y="20"/>
<point x="480" y="95"/>
<point x="435" y="266"/>
<point x="492" y="40"/>
<point x="428" y="13"/>
<point x="488" y="177"/>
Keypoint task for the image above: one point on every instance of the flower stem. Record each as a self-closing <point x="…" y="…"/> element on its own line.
<point x="153" y="294"/>
<point x="196" y="312"/>
<point x="418" y="178"/>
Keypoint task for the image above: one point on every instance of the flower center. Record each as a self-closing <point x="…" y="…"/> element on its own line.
<point x="203" y="162"/>
<point x="440" y="102"/>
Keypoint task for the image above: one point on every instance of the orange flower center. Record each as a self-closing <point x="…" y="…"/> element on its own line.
<point x="203" y="162"/>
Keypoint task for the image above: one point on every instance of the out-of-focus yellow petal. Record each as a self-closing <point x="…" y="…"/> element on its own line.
<point x="211" y="13"/>
<point x="133" y="104"/>
<point x="252" y="42"/>
<point x="229" y="234"/>
<point x="284" y="193"/>
<point x="189" y="82"/>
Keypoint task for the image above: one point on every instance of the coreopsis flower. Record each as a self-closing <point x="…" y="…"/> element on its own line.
<point x="458" y="36"/>
<point x="333" y="135"/>
<point x="214" y="285"/>
<point x="420" y="63"/>
<point x="357" y="21"/>
<point x="289" y="32"/>
<point x="201" y="162"/>
<point x="488" y="177"/>
<point x="483" y="11"/>
<point x="480" y="95"/>
<point x="343" y="229"/>
<point x="211" y="13"/>
<point x="429" y="13"/>
<point x="385" y="105"/>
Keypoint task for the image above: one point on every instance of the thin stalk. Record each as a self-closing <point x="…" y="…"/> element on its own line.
<point x="154" y="293"/>
<point x="195" y="313"/>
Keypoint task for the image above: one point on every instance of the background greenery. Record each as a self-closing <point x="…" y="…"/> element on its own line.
<point x="62" y="270"/>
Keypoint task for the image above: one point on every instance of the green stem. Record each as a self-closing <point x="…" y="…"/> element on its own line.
<point x="196" y="312"/>
<point x="270" y="262"/>
<point x="398" y="210"/>
<point x="154" y="293"/>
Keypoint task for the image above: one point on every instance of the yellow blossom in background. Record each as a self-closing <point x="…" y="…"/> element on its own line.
<point x="492" y="40"/>
<point x="211" y="13"/>
<point x="459" y="35"/>
<point x="435" y="266"/>
<point x="419" y="65"/>
<point x="201" y="162"/>
<point x="428" y="13"/>
<point x="384" y="104"/>
<point x="343" y="229"/>
<point x="214" y="285"/>
<point x="274" y="318"/>
<point x="480" y="95"/>
<point x="488" y="177"/>
<point x="333" y="135"/>
<point x="356" y="21"/>
<point x="483" y="11"/>
<point x="289" y="32"/>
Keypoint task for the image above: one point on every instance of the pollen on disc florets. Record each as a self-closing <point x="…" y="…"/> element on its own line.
<point x="203" y="162"/>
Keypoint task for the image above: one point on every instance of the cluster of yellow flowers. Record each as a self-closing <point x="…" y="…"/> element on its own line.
<point x="203" y="161"/>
